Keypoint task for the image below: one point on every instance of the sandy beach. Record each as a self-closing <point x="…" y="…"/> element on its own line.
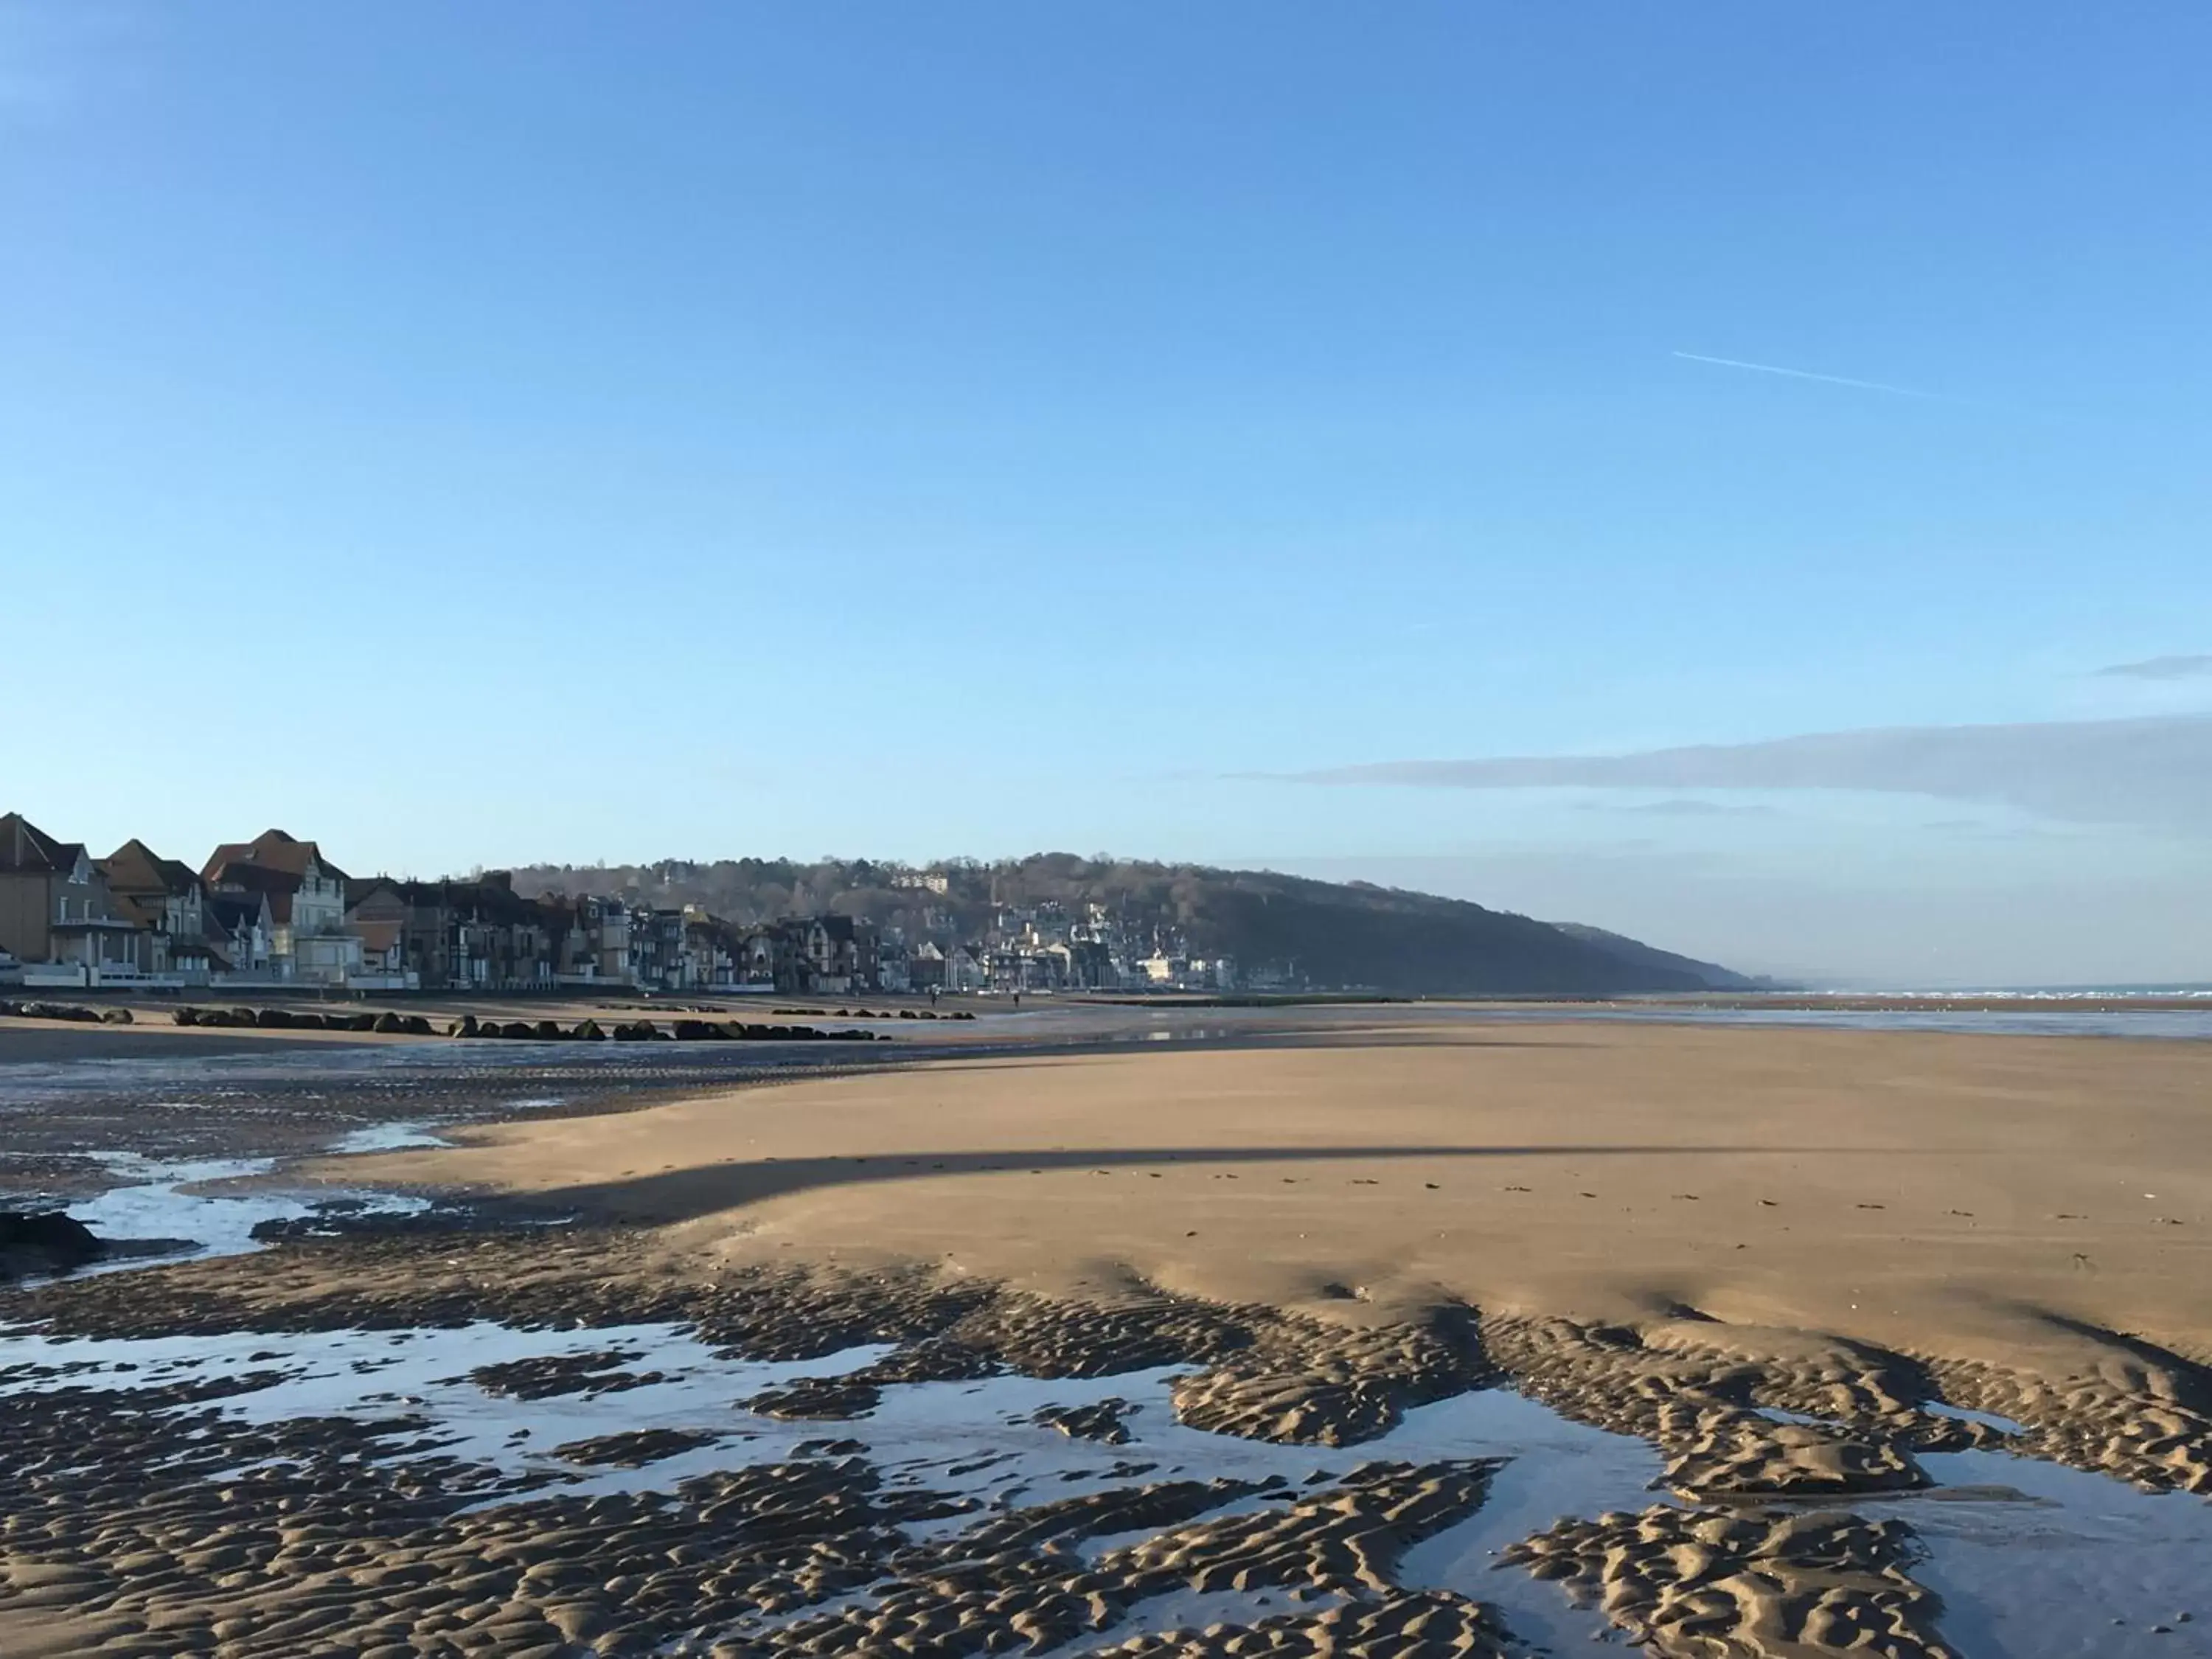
<point x="1814" y="1278"/>
<point x="1996" y="1193"/>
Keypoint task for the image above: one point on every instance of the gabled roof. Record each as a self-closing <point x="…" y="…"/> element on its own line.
<point x="377" y="935"/>
<point x="257" y="878"/>
<point x="481" y="902"/>
<point x="136" y="868"/>
<point x="135" y="909"/>
<point x="272" y="849"/>
<point x="231" y="911"/>
<point x="27" y="850"/>
<point x="497" y="902"/>
<point x="700" y="924"/>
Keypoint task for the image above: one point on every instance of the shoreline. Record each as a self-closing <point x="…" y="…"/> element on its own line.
<point x="1949" y="1002"/>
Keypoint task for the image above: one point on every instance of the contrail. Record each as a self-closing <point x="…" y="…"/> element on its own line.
<point x="1808" y="374"/>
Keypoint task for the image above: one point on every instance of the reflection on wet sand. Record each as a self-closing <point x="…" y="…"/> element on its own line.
<point x="1166" y="1529"/>
<point x="411" y="1425"/>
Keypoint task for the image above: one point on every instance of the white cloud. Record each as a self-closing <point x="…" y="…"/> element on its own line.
<point x="1680" y="807"/>
<point x="2155" y="771"/>
<point x="2160" y="668"/>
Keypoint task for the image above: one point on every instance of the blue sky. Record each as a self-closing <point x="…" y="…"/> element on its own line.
<point x="469" y="435"/>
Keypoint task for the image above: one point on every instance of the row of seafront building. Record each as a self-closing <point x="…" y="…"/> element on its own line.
<point x="275" y="911"/>
<point x="1051" y="947"/>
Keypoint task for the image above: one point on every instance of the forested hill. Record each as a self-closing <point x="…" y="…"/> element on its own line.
<point x="1334" y="935"/>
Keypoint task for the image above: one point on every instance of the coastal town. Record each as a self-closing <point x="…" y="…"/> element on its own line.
<point x="277" y="912"/>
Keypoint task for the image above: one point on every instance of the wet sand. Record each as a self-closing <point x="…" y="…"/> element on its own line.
<point x="1808" y="1269"/>
<point x="54" y="1043"/>
<point x="75" y="1097"/>
<point x="145" y="1513"/>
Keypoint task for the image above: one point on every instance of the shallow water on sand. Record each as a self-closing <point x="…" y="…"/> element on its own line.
<point x="975" y="1440"/>
<point x="397" y="1137"/>
<point x="228" y="1071"/>
<point x="2020" y="1017"/>
<point x="2194" y="1023"/>
<point x="2032" y="1560"/>
<point x="2037" y="1558"/>
<point x="153" y="1202"/>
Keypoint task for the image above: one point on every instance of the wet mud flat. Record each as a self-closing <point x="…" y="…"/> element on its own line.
<point x="70" y="1099"/>
<point x="437" y="1443"/>
<point x="61" y="1121"/>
